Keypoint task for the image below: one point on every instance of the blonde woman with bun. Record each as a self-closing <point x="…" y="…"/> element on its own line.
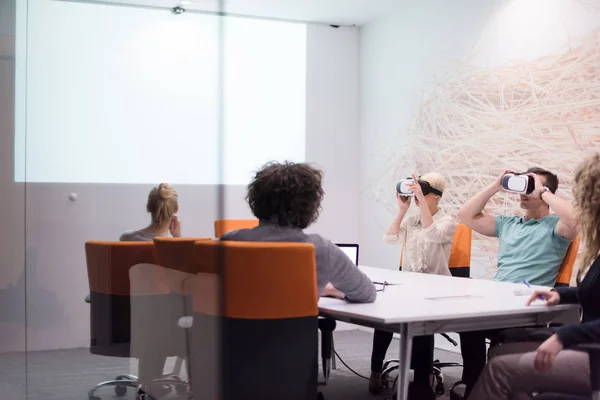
<point x="427" y="240"/>
<point x="162" y="206"/>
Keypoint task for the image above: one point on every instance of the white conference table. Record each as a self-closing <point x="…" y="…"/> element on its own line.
<point x="420" y="304"/>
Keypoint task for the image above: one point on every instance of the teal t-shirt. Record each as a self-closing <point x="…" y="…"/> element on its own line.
<point x="529" y="250"/>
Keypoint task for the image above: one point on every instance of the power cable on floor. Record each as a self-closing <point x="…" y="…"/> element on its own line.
<point x="353" y="371"/>
<point x="346" y="365"/>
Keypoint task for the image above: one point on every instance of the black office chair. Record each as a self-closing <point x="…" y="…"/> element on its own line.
<point x="593" y="349"/>
<point x="391" y="365"/>
<point x="116" y="331"/>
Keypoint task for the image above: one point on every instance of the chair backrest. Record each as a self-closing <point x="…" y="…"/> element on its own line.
<point x="460" y="254"/>
<point x="223" y="226"/>
<point x="176" y="253"/>
<point x="109" y="265"/>
<point x="262" y="280"/>
<point x="565" y="272"/>
<point x="268" y="301"/>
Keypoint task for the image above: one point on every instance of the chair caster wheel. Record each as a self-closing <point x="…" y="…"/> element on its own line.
<point x="141" y="395"/>
<point x="453" y="392"/>
<point x="120" y="390"/>
<point x="180" y="389"/>
<point x="439" y="389"/>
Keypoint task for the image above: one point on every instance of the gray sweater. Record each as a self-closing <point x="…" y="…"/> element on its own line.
<point x="333" y="266"/>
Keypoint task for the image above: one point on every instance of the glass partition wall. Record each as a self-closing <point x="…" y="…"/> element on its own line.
<point x="120" y="123"/>
<point x="112" y="137"/>
<point x="13" y="249"/>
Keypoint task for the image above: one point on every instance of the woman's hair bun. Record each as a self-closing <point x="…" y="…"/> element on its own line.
<point x="165" y="191"/>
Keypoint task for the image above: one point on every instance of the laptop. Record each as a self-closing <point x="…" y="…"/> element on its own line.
<point x="351" y="250"/>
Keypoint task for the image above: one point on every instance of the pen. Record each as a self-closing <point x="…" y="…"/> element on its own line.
<point x="529" y="286"/>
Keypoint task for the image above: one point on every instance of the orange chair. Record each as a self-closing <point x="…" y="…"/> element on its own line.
<point x="176" y="254"/>
<point x="254" y="322"/>
<point x="109" y="265"/>
<point x="565" y="273"/>
<point x="223" y="226"/>
<point x="460" y="254"/>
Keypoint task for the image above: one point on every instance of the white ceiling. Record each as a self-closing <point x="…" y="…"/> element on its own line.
<point x="339" y="12"/>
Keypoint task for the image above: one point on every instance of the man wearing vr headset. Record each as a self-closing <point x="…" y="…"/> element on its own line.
<point x="531" y="248"/>
<point x="427" y="240"/>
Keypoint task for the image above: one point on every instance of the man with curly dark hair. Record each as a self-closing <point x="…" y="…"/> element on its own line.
<point x="286" y="198"/>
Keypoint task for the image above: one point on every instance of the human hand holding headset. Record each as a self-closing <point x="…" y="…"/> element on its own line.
<point x="416" y="188"/>
<point x="498" y="181"/>
<point x="417" y="191"/>
<point x="403" y="202"/>
<point x="538" y="186"/>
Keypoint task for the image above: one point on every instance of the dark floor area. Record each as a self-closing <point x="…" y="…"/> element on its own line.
<point x="69" y="374"/>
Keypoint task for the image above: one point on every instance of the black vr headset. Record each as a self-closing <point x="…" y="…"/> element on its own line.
<point x="403" y="189"/>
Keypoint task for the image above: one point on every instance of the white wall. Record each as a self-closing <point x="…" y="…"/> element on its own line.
<point x="332" y="126"/>
<point x="56" y="229"/>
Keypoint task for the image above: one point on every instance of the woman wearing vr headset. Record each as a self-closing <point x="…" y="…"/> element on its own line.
<point x="426" y="238"/>
<point x="553" y="367"/>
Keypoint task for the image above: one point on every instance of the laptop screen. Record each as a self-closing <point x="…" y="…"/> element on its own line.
<point x="351" y="250"/>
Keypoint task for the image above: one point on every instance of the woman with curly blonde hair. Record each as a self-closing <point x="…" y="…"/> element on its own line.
<point x="553" y="367"/>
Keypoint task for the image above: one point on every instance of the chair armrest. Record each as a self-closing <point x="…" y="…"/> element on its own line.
<point x="593" y="349"/>
<point x="525" y="334"/>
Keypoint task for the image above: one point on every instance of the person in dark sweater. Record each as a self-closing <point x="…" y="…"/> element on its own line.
<point x="553" y="367"/>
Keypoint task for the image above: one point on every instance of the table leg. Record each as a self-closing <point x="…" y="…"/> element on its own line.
<point x="404" y="362"/>
<point x="333" y="363"/>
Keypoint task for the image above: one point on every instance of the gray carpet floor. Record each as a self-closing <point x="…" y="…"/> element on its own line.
<point x="69" y="374"/>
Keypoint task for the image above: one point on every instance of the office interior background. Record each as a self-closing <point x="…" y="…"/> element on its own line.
<point x="100" y="101"/>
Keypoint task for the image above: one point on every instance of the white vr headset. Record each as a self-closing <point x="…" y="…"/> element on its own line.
<point x="518" y="183"/>
<point x="403" y="189"/>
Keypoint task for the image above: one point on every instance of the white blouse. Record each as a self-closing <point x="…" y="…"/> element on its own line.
<point x="425" y="250"/>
